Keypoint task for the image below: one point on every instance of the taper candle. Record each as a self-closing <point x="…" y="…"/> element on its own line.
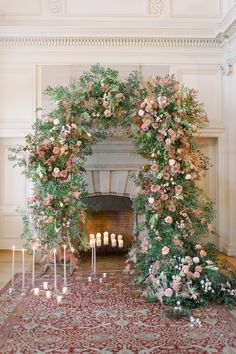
<point x="120" y="243"/>
<point x="13" y="269"/>
<point x="113" y="242"/>
<point x="113" y="236"/>
<point x="119" y="237"/>
<point x="65" y="282"/>
<point x="55" y="269"/>
<point x="23" y="272"/>
<point x="33" y="267"/>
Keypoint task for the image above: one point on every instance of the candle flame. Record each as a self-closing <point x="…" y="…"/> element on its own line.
<point x="64" y="246"/>
<point x="34" y="248"/>
<point x="13" y="247"/>
<point x="54" y="250"/>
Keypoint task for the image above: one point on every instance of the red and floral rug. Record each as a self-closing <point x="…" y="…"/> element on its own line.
<point x="105" y="318"/>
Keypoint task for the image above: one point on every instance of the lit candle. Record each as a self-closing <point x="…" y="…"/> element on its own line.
<point x="104" y="275"/>
<point x="105" y="234"/>
<point x="120" y="243"/>
<point x="55" y="268"/>
<point x="113" y="236"/>
<point x="113" y="242"/>
<point x="119" y="237"/>
<point x="59" y="299"/>
<point x="89" y="279"/>
<point x="100" y="280"/>
<point x="36" y="291"/>
<point x="105" y="240"/>
<point x="99" y="242"/>
<point x="33" y="267"/>
<point x="23" y="272"/>
<point x="13" y="269"/>
<point x="45" y="285"/>
<point x="48" y="294"/>
<point x="98" y="236"/>
<point x="91" y="236"/>
<point x="64" y="290"/>
<point x="65" y="282"/>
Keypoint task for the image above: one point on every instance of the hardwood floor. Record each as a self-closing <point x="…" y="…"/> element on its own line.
<point x="105" y="263"/>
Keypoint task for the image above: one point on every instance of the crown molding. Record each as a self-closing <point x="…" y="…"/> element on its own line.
<point x="69" y="41"/>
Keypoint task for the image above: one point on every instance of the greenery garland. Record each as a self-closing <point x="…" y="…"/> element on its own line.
<point x="171" y="264"/>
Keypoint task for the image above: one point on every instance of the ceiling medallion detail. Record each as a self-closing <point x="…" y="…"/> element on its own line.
<point x="155" y="7"/>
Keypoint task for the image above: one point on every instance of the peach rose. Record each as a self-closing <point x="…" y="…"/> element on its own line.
<point x="154" y="167"/>
<point x="198" y="269"/>
<point x="203" y="253"/>
<point x="165" y="250"/>
<point x="154" y="188"/>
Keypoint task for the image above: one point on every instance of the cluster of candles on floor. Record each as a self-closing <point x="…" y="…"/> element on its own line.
<point x="45" y="288"/>
<point x="97" y="242"/>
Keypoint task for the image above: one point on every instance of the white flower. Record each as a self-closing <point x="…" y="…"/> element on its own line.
<point x="141" y="112"/>
<point x="61" y="204"/>
<point x="51" y="138"/>
<point x="56" y="170"/>
<point x="79" y="143"/>
<point x="188" y="176"/>
<point x="56" y="121"/>
<point x="171" y="162"/>
<point x="196" y="260"/>
<point x="151" y="200"/>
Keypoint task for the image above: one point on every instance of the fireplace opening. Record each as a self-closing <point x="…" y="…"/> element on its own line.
<point x="113" y="214"/>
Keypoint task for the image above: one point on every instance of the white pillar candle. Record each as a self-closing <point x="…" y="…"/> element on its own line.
<point x="113" y="242"/>
<point x="65" y="282"/>
<point x="13" y="269"/>
<point x="99" y="242"/>
<point x="105" y="240"/>
<point x="33" y="267"/>
<point x="45" y="285"/>
<point x="36" y="291"/>
<point x="48" y="294"/>
<point x="59" y="299"/>
<point x="55" y="268"/>
<point x="113" y="236"/>
<point x="104" y="275"/>
<point x="64" y="290"/>
<point x="120" y="243"/>
<point x="100" y="280"/>
<point x="92" y="243"/>
<point x="105" y="234"/>
<point x="119" y="237"/>
<point x="23" y="272"/>
<point x="98" y="236"/>
<point x="91" y="236"/>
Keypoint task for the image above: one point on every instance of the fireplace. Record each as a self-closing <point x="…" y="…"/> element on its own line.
<point x="113" y="214"/>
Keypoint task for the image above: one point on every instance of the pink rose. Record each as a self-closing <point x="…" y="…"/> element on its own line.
<point x="155" y="125"/>
<point x="154" y="167"/>
<point x="144" y="127"/>
<point x="196" y="275"/>
<point x="168" y="292"/>
<point x="164" y="197"/>
<point x="185" y="268"/>
<point x="107" y="113"/>
<point x="178" y="189"/>
<point x="104" y="87"/>
<point x="165" y="250"/>
<point x="45" y="119"/>
<point x="198" y="246"/>
<point x="175" y="287"/>
<point x="154" y="188"/>
<point x="168" y="220"/>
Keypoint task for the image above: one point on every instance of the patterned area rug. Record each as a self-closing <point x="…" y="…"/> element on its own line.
<point x="108" y="317"/>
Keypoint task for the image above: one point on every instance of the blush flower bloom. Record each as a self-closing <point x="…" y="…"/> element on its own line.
<point x="168" y="292"/>
<point x="168" y="220"/>
<point x="154" y="167"/>
<point x="165" y="250"/>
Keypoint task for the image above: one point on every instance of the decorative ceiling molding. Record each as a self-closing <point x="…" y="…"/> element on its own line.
<point x="55" y="7"/>
<point x="72" y="41"/>
<point x="155" y="7"/>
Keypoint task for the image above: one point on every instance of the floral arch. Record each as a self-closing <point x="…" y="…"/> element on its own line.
<point x="171" y="264"/>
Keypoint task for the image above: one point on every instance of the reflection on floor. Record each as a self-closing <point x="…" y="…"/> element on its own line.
<point x="105" y="263"/>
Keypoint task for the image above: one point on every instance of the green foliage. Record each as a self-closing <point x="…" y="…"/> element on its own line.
<point x="171" y="264"/>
